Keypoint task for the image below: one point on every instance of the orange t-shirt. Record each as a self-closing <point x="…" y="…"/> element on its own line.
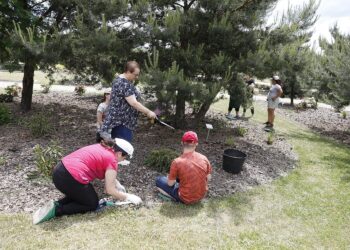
<point x="192" y="170"/>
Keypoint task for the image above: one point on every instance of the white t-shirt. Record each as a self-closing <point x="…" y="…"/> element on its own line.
<point x="273" y="92"/>
<point x="103" y="108"/>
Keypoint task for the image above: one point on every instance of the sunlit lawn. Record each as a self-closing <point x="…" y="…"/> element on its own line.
<point x="309" y="208"/>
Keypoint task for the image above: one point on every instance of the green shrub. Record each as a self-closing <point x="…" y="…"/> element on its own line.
<point x="47" y="158"/>
<point x="270" y="138"/>
<point x="45" y="88"/>
<point x="79" y="90"/>
<point x="240" y="131"/>
<point x="39" y="124"/>
<point x="5" y="115"/>
<point x="12" y="90"/>
<point x="161" y="159"/>
<point x="343" y="114"/>
<point x="6" y="98"/>
<point x="306" y="104"/>
<point x="314" y="105"/>
<point x="230" y="141"/>
<point x="2" y="161"/>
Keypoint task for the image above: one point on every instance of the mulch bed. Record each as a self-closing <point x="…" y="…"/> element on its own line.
<point x="322" y="120"/>
<point x="74" y="127"/>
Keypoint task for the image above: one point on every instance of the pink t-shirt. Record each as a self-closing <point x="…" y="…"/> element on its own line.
<point x="90" y="162"/>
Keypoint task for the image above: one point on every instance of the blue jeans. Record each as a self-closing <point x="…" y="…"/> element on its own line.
<point x="173" y="191"/>
<point x="122" y="132"/>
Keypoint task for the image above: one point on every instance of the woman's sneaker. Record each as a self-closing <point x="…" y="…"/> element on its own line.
<point x="229" y="116"/>
<point x="45" y="213"/>
<point x="269" y="127"/>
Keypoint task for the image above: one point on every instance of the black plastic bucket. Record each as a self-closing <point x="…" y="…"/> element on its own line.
<point x="233" y="160"/>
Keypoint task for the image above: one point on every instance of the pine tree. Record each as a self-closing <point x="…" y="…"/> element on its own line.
<point x="81" y="34"/>
<point x="283" y="50"/>
<point x="332" y="70"/>
<point x="198" y="44"/>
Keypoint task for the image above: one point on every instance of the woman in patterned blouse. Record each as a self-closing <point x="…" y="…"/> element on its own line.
<point x="124" y="104"/>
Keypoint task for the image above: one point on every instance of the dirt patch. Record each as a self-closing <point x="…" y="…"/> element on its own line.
<point x="325" y="121"/>
<point x="74" y="126"/>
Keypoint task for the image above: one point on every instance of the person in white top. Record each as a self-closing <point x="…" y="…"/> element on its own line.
<point x="273" y="101"/>
<point x="102" y="109"/>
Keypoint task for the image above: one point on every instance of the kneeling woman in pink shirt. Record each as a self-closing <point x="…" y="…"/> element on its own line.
<point x="73" y="174"/>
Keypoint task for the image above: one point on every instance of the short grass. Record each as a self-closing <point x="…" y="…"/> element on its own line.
<point x="309" y="208"/>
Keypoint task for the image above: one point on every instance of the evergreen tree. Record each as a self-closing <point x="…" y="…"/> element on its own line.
<point x="283" y="50"/>
<point x="332" y="70"/>
<point x="199" y="44"/>
<point x="29" y="25"/>
<point x="81" y="34"/>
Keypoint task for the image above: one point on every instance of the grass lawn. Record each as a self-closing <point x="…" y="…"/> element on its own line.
<point x="309" y="208"/>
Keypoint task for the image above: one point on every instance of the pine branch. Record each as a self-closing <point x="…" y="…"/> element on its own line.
<point x="47" y="12"/>
<point x="244" y="5"/>
<point x="182" y="6"/>
<point x="190" y="4"/>
<point x="36" y="4"/>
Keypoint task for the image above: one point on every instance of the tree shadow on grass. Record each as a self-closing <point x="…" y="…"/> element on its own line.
<point x="342" y="136"/>
<point x="177" y="210"/>
<point x="330" y="156"/>
<point x="317" y="138"/>
<point x="340" y="162"/>
<point x="235" y="207"/>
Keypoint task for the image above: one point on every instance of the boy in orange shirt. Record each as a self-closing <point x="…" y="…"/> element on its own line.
<point x="187" y="181"/>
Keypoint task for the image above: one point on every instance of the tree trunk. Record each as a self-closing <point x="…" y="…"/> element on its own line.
<point x="28" y="83"/>
<point x="180" y="109"/>
<point x="203" y="111"/>
<point x="292" y="94"/>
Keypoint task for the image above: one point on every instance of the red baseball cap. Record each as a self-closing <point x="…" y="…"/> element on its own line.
<point x="190" y="137"/>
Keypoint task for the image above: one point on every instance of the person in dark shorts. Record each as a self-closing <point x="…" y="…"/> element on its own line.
<point x="237" y="92"/>
<point x="250" y="84"/>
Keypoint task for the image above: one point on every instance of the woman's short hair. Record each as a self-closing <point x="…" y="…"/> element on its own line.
<point x="105" y="95"/>
<point x="130" y="66"/>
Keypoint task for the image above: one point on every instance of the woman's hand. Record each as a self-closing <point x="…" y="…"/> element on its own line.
<point x="138" y="106"/>
<point x="134" y="199"/>
<point x="151" y="115"/>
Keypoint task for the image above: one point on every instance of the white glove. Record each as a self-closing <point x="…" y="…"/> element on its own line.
<point x="133" y="199"/>
<point x="120" y="187"/>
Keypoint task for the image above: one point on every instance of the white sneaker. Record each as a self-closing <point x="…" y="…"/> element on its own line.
<point x="229" y="116"/>
<point x="124" y="163"/>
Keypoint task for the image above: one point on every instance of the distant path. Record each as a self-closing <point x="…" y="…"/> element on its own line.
<point x="54" y="88"/>
<point x="92" y="90"/>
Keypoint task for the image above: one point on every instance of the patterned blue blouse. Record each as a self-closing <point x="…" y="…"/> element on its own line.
<point x="119" y="111"/>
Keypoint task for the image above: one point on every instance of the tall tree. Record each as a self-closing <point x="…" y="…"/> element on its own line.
<point x="332" y="70"/>
<point x="198" y="43"/>
<point x="81" y="34"/>
<point x="29" y="25"/>
<point x="284" y="49"/>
